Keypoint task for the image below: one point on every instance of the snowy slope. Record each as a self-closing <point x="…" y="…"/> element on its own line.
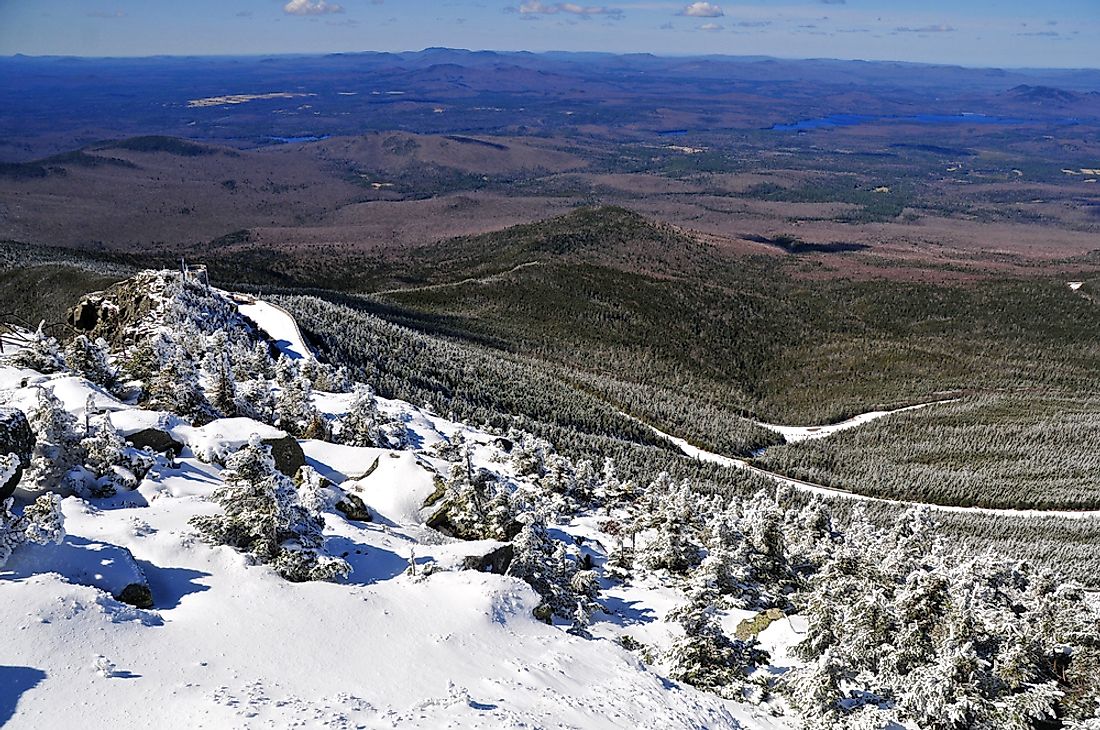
<point x="232" y="645"/>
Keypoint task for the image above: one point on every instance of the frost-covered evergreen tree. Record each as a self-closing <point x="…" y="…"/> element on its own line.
<point x="705" y="656"/>
<point x="544" y="564"/>
<point x="397" y="434"/>
<point x="362" y="424"/>
<point x="942" y="643"/>
<point x="315" y="493"/>
<point x="57" y="456"/>
<point x="255" y="401"/>
<point x="286" y="370"/>
<point x="222" y="383"/>
<point x="766" y="575"/>
<point x="41" y="353"/>
<point x="477" y="504"/>
<point x="452" y="448"/>
<point x="294" y="409"/>
<point x="529" y="453"/>
<point x="41" y="522"/>
<point x="113" y="465"/>
<point x="673" y="544"/>
<point x="174" y="386"/>
<point x="257" y="363"/>
<point x="263" y="516"/>
<point x="90" y="359"/>
<point x="331" y="379"/>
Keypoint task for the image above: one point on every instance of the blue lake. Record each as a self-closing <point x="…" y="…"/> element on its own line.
<point x="298" y="140"/>
<point x="852" y="120"/>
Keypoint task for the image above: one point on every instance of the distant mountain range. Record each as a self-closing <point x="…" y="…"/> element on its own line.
<point x="446" y="91"/>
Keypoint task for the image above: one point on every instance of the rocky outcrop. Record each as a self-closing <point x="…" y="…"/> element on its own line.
<point x="156" y="440"/>
<point x="496" y="560"/>
<point x="354" y="508"/>
<point x="751" y="627"/>
<point x="287" y="453"/>
<point x="108" y="314"/>
<point x="136" y="594"/>
<point x="16" y="438"/>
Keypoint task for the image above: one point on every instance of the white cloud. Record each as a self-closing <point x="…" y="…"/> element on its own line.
<point x="925" y="29"/>
<point x="311" y="7"/>
<point x="702" y="10"/>
<point x="710" y="27"/>
<point x="535" y="7"/>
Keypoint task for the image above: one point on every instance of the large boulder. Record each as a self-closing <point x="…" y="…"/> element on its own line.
<point x="353" y="508"/>
<point x="156" y="440"/>
<point x="218" y="439"/>
<point x="496" y="560"/>
<point x="287" y="453"/>
<point x="107" y="314"/>
<point x="16" y="438"/>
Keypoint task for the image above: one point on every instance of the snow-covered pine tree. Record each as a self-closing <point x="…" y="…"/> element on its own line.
<point x="763" y="562"/>
<point x="529" y="453"/>
<point x="255" y="401"/>
<point x="315" y="493"/>
<point x="263" y="516"/>
<point x="174" y="387"/>
<point x="947" y="644"/>
<point x="672" y="544"/>
<point x="258" y="364"/>
<point x="222" y="383"/>
<point x="113" y="465"/>
<point x="397" y="434"/>
<point x="57" y="451"/>
<point x="543" y="563"/>
<point x="41" y="353"/>
<point x="361" y="425"/>
<point x="587" y="481"/>
<point x="294" y="409"/>
<point x="286" y="370"/>
<point x="705" y="656"/>
<point x="90" y="359"/>
<point x="477" y="504"/>
<point x="42" y="522"/>
<point x="452" y="448"/>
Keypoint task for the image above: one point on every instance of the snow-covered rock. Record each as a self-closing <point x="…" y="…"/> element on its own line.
<point x="15" y="438"/>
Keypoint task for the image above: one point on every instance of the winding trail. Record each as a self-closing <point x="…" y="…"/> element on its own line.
<point x="834" y="493"/>
<point x="792" y="434"/>
<point x="450" y="284"/>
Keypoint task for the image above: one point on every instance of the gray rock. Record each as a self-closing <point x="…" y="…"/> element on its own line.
<point x="496" y="560"/>
<point x="136" y="594"/>
<point x="156" y="440"/>
<point x="352" y="507"/>
<point x="287" y="453"/>
<point x="108" y="314"/>
<point x="16" y="438"/>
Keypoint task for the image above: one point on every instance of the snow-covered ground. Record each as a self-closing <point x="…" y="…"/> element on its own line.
<point x="228" y="644"/>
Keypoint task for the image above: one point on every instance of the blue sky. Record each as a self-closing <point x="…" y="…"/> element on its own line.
<point x="971" y="32"/>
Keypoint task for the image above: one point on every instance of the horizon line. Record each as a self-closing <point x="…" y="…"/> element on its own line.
<point x="321" y="54"/>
